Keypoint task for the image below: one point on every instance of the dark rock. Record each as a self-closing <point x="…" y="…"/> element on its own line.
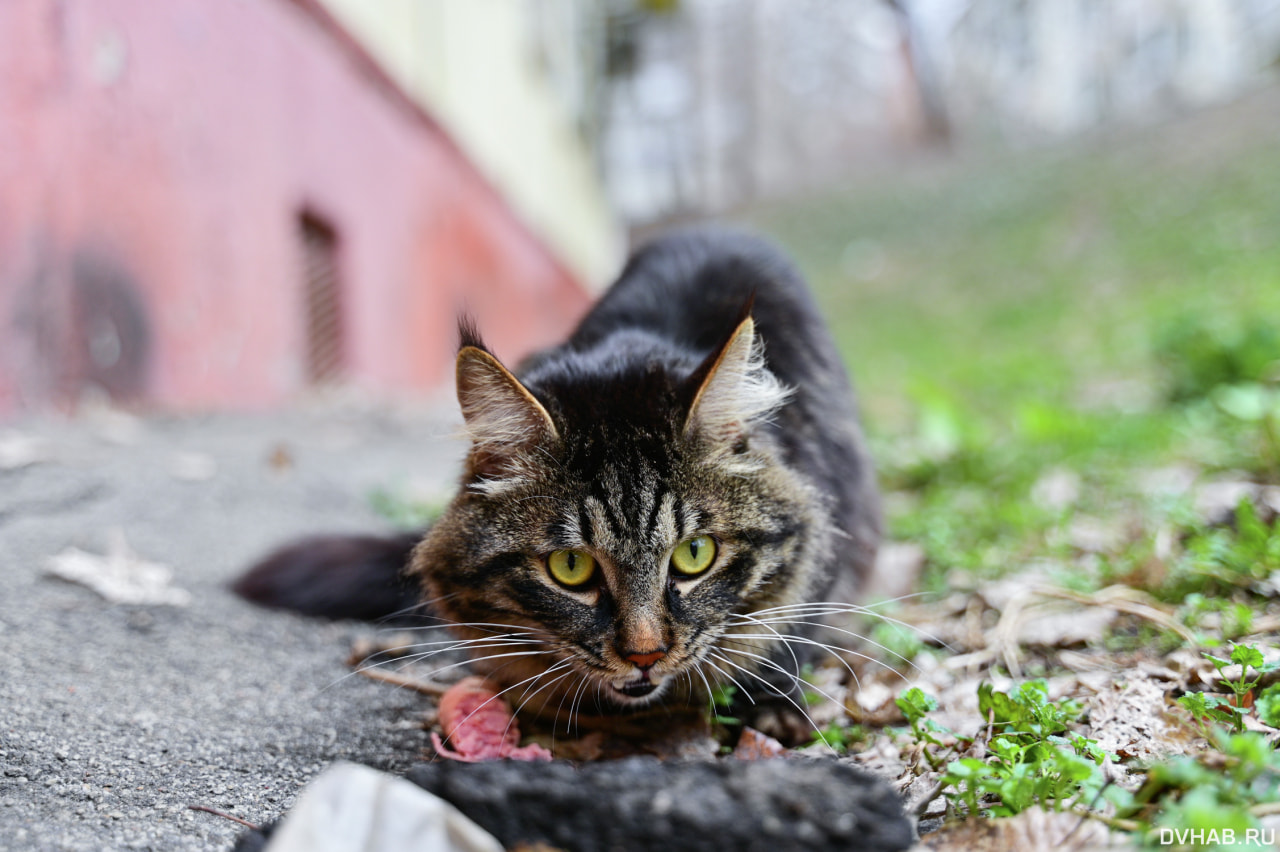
<point x="644" y="803"/>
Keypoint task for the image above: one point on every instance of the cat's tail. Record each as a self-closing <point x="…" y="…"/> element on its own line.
<point x="353" y="576"/>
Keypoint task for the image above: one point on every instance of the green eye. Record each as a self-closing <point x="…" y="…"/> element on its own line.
<point x="694" y="556"/>
<point x="571" y="567"/>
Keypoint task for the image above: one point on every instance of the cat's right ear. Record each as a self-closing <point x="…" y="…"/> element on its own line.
<point x="735" y="389"/>
<point x="502" y="416"/>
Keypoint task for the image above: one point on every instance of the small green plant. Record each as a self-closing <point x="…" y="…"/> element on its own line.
<point x="1201" y="355"/>
<point x="1234" y="618"/>
<point x="722" y="696"/>
<point x="1225" y="787"/>
<point x="1031" y="759"/>
<point x="1206" y="708"/>
<point x="1246" y="657"/>
<point x="1267" y="705"/>
<point x="1221" y="562"/>
<point x="1257" y="406"/>
<point x="405" y="512"/>
<point x="936" y="741"/>
<point x="840" y="738"/>
<point x="900" y="646"/>
<point x="1035" y="759"/>
<point x="811" y="697"/>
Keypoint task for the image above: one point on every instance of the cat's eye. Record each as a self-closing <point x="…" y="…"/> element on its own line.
<point x="571" y="567"/>
<point x="695" y="555"/>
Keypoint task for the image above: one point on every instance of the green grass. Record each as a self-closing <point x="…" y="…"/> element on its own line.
<point x="1006" y="316"/>
<point x="1027" y="280"/>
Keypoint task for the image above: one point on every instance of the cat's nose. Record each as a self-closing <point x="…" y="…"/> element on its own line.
<point x="645" y="659"/>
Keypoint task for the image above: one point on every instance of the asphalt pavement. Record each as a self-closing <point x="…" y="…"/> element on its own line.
<point x="116" y="717"/>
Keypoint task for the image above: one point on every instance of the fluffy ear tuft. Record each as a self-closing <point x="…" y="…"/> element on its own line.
<point x="503" y="418"/>
<point x="737" y="390"/>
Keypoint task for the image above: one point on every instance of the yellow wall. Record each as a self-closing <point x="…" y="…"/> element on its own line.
<point x="480" y="66"/>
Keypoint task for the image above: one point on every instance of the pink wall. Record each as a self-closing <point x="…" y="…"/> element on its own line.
<point x="154" y="160"/>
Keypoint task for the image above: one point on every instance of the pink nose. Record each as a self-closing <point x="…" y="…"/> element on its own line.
<point x="644" y="661"/>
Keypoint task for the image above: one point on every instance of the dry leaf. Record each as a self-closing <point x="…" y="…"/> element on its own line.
<point x="119" y="575"/>
<point x="753" y="745"/>
<point x="1061" y="628"/>
<point x="1130" y="720"/>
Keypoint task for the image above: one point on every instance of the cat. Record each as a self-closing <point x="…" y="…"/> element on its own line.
<point x="667" y="501"/>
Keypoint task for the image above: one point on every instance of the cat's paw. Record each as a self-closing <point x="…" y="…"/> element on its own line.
<point x="782" y="722"/>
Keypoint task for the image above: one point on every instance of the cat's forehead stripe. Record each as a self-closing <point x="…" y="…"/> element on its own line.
<point x="584" y="525"/>
<point x="570" y="528"/>
<point x="656" y="503"/>
<point x="646" y="499"/>
<point x="598" y="521"/>
<point x="689" y="520"/>
<point x="662" y="530"/>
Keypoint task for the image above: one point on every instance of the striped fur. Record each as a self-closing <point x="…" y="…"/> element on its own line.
<point x="701" y="397"/>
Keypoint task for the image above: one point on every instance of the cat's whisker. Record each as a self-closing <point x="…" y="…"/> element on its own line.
<point x="529" y="696"/>
<point x="822" y="608"/>
<point x="537" y="497"/>
<point x="424" y="605"/>
<point x="471" y="650"/>
<point x="403" y="662"/>
<point x="684" y="681"/>
<point x="796" y="619"/>
<point x="898" y="599"/>
<point x="498" y="695"/>
<point x="560" y="707"/>
<point x="456" y="644"/>
<point x="550" y="457"/>
<point x="742" y="690"/>
<point x="743" y="618"/>
<point x="773" y="688"/>
<point x="444" y="623"/>
<point x="787" y="640"/>
<point x="573" y="706"/>
<point x="857" y="636"/>
<point x="835" y="651"/>
<point x="427" y="634"/>
<point x="711" y="702"/>
<point x="599" y="696"/>
<point x="399" y="664"/>
<point x="448" y="647"/>
<point x="482" y="659"/>
<point x="799" y="682"/>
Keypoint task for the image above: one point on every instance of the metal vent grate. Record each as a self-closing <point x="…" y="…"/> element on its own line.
<point x="325" y="345"/>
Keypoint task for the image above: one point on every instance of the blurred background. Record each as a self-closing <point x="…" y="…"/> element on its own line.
<point x="211" y="205"/>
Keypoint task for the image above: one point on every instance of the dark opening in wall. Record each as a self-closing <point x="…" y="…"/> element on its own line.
<point x="323" y="289"/>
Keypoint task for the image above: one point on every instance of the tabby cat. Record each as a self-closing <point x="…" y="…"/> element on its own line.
<point x="664" y="502"/>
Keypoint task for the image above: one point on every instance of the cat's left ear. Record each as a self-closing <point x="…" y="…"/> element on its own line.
<point x="735" y="388"/>
<point x="501" y="414"/>
<point x="505" y="420"/>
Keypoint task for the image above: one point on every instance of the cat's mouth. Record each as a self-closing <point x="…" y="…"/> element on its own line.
<point x="638" y="690"/>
